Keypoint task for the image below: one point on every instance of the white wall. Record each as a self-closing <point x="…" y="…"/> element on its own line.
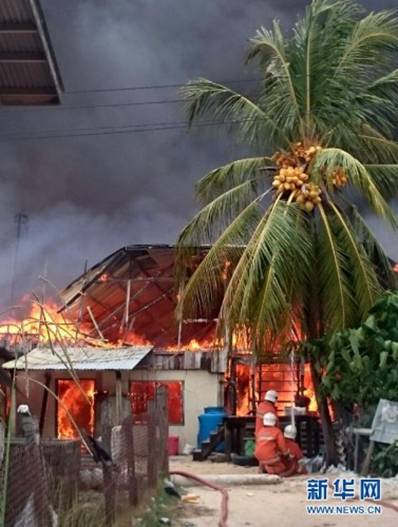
<point x="201" y="389"/>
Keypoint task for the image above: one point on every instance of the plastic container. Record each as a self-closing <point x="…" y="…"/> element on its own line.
<point x="173" y="444"/>
<point x="208" y="423"/>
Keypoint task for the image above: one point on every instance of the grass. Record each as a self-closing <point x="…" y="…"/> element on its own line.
<point x="160" y="506"/>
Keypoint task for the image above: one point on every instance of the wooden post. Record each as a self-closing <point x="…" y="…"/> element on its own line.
<point x="109" y="487"/>
<point x="366" y="463"/>
<point x="252" y="402"/>
<point x="44" y="403"/>
<point x="118" y="397"/>
<point x="133" y="489"/>
<point x="152" y="460"/>
<point x="163" y="423"/>
<point x="227" y="439"/>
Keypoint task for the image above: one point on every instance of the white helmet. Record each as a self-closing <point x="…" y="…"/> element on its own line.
<point x="269" y="419"/>
<point x="290" y="432"/>
<point x="271" y="396"/>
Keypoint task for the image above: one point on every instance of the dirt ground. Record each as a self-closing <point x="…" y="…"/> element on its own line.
<point x="280" y="505"/>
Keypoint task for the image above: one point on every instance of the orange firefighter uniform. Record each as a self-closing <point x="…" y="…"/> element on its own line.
<point x="271" y="450"/>
<point x="263" y="408"/>
<point x="295" y="454"/>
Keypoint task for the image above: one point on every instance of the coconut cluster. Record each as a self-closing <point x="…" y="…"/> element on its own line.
<point x="292" y="179"/>
<point x="289" y="179"/>
<point x="339" y="178"/>
<point x="309" y="196"/>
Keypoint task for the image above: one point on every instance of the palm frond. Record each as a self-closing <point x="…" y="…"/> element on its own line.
<point x="333" y="273"/>
<point x="364" y="279"/>
<point x="259" y="293"/>
<point x="377" y="147"/>
<point x="203" y="290"/>
<point x="329" y="159"/>
<point x="211" y="221"/>
<point x="373" y="40"/>
<point x="374" y="250"/>
<point x="383" y="92"/>
<point x="221" y="103"/>
<point x="270" y="49"/>
<point x="385" y="178"/>
<point x="228" y="176"/>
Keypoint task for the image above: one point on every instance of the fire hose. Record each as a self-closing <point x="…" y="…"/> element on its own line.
<point x="224" y="493"/>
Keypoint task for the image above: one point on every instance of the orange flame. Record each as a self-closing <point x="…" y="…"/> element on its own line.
<point x="242" y="389"/>
<point x="135" y="340"/>
<point x="194" y="345"/>
<point x="80" y="406"/>
<point x="44" y="324"/>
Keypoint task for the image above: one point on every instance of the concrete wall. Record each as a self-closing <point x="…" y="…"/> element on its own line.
<point x="200" y="389"/>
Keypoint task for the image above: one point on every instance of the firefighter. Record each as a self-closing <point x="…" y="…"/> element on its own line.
<point x="271" y="449"/>
<point x="295" y="453"/>
<point x="267" y="406"/>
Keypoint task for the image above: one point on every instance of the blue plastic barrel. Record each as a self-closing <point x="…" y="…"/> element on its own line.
<point x="208" y="423"/>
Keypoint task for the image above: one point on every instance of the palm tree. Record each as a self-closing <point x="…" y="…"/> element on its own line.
<point x="321" y="121"/>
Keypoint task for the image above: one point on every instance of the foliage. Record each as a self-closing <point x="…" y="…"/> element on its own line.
<point x="321" y="124"/>
<point x="162" y="506"/>
<point x="362" y="363"/>
<point x="385" y="460"/>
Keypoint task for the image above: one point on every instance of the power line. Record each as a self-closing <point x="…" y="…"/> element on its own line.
<point x="91" y="106"/>
<point x="166" y="86"/>
<point x="125" y="130"/>
<point x="155" y="86"/>
<point x="101" y="128"/>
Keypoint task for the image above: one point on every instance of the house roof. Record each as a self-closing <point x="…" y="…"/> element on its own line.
<point x="80" y="359"/>
<point x="28" y="68"/>
<point x="151" y="297"/>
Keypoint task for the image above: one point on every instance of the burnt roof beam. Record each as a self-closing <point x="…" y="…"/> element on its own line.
<point x="28" y="57"/>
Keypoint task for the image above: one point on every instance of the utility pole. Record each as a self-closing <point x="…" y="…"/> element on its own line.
<point x="21" y="220"/>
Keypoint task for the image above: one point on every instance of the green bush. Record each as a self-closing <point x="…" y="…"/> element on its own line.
<point x="385" y="460"/>
<point x="361" y="367"/>
<point x="362" y="363"/>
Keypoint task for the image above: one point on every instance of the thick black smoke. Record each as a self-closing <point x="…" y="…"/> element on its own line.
<point x="86" y="196"/>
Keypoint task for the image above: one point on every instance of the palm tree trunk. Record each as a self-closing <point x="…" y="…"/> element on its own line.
<point x="316" y="331"/>
<point x="324" y="414"/>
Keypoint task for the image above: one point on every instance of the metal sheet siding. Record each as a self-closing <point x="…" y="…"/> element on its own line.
<point x="92" y="359"/>
<point x="23" y="80"/>
<point x="15" y="11"/>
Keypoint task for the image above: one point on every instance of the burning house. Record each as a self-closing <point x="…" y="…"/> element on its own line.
<point x="117" y="333"/>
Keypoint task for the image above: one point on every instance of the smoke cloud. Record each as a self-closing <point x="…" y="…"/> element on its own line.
<point x="88" y="196"/>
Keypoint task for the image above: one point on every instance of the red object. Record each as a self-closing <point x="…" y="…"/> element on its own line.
<point x="262" y="409"/>
<point x="173" y="443"/>
<point x="143" y="391"/>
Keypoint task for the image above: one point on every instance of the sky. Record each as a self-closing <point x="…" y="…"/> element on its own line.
<point x="87" y="196"/>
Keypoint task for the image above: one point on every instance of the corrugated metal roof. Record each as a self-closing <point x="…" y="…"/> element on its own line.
<point x="81" y="359"/>
<point x="28" y="69"/>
